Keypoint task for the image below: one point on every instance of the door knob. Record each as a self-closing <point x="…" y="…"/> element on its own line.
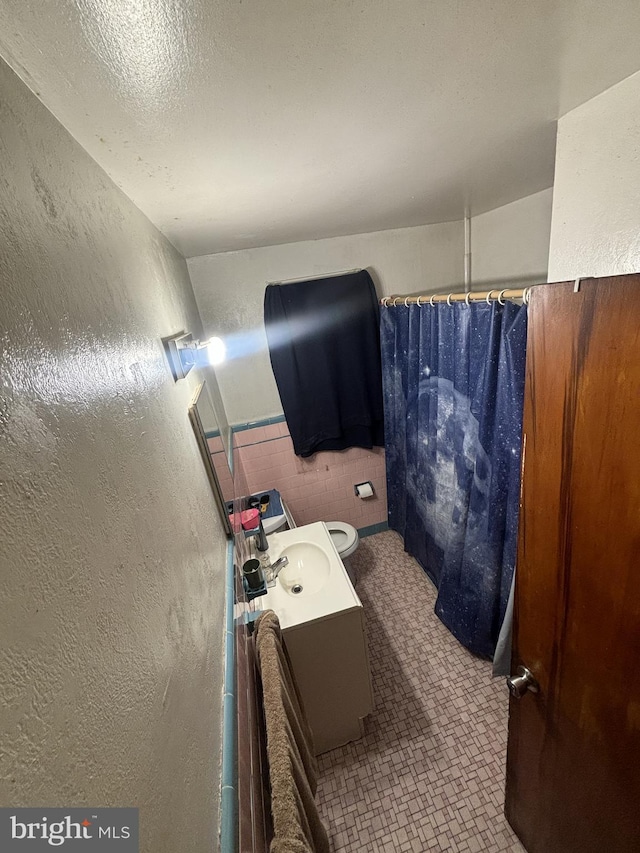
<point x="522" y="683"/>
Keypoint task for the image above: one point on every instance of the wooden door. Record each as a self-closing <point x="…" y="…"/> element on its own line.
<point x="573" y="766"/>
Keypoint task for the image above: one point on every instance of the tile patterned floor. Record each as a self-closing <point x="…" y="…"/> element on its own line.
<point x="429" y="773"/>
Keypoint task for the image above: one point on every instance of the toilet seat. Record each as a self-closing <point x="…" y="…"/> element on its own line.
<point x="274" y="523"/>
<point x="344" y="536"/>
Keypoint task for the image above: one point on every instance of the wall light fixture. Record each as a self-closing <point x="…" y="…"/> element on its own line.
<point x="183" y="353"/>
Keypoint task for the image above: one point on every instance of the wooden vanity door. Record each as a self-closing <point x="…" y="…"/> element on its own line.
<point x="573" y="767"/>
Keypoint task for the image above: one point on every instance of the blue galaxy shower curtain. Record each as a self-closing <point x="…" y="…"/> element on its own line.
<point x="453" y="379"/>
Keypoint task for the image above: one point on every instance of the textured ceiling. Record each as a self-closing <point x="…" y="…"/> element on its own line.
<point x="243" y="123"/>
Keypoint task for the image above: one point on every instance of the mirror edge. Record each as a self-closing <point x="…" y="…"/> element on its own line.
<point x="203" y="446"/>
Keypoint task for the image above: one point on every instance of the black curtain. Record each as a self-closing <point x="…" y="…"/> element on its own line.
<point x="324" y="344"/>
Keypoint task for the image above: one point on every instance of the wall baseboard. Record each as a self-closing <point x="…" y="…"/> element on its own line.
<point x="372" y="529"/>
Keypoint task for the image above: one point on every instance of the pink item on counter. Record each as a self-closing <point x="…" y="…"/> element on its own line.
<point x="249" y="518"/>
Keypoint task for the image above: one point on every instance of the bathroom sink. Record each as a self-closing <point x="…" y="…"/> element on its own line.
<point x="308" y="569"/>
<point x="315" y="584"/>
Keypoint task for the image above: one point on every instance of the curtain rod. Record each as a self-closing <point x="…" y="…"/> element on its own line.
<point x="315" y="277"/>
<point x="449" y="298"/>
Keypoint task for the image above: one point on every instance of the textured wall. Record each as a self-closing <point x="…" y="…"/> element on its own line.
<point x="510" y="245"/>
<point x="112" y="555"/>
<point x="230" y="288"/>
<point x="595" y="227"/>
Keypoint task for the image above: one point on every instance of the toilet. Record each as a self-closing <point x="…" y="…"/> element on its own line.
<point x="345" y="538"/>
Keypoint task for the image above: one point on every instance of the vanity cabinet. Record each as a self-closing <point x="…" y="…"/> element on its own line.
<point x="330" y="661"/>
<point x="322" y="623"/>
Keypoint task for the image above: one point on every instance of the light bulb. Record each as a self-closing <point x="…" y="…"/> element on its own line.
<point x="216" y="351"/>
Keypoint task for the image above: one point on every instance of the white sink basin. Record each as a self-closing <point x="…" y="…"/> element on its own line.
<point x="314" y="584"/>
<point x="307" y="571"/>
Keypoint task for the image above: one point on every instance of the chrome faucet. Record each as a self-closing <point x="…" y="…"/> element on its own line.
<point x="274" y="570"/>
